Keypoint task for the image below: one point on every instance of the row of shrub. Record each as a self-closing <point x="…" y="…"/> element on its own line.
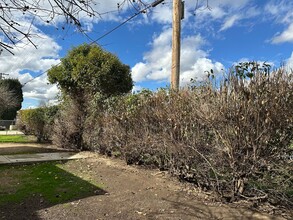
<point x="230" y="135"/>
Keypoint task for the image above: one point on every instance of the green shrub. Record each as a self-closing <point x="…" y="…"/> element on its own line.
<point x="38" y="121"/>
<point x="86" y="74"/>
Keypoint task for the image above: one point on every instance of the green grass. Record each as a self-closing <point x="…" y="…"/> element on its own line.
<point x="15" y="139"/>
<point x="44" y="180"/>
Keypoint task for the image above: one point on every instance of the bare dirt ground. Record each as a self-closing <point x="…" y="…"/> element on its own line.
<point x="131" y="192"/>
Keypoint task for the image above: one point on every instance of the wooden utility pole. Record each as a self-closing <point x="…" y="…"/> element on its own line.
<point x="177" y="16"/>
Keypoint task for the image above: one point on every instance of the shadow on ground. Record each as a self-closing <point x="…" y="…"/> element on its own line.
<point x="25" y="189"/>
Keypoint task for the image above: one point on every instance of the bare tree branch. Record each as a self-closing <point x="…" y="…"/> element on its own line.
<point x="18" y="17"/>
<point x="14" y="13"/>
<point x="200" y="7"/>
<point x="7" y="99"/>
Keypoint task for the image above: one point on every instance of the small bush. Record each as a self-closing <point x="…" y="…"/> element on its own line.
<point x="38" y="122"/>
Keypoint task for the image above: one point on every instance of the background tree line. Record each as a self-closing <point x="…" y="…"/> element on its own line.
<point x="11" y="98"/>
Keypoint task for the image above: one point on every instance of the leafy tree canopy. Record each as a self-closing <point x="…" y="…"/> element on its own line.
<point x="15" y="88"/>
<point x="88" y="69"/>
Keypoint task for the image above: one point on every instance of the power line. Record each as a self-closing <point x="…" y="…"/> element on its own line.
<point x="115" y="28"/>
<point x="38" y="76"/>
<point x="152" y="5"/>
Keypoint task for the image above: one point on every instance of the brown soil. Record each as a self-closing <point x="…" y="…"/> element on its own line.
<point x="133" y="193"/>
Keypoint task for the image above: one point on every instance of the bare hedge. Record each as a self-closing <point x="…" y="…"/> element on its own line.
<point x="232" y="136"/>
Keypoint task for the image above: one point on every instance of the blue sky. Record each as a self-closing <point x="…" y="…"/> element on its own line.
<point x="230" y="32"/>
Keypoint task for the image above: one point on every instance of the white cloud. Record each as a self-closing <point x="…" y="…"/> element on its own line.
<point x="229" y="22"/>
<point x="272" y="8"/>
<point x="139" y="72"/>
<point x="231" y="3"/>
<point x="227" y="13"/>
<point x="285" y="36"/>
<point x="279" y="11"/>
<point x="220" y="12"/>
<point x="156" y="63"/>
<point x="162" y="14"/>
<point x="40" y="89"/>
<point x="28" y="57"/>
<point x="198" y="70"/>
<point x="28" y="60"/>
<point x="136" y="88"/>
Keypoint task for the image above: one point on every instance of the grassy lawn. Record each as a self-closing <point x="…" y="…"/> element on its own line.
<point x="15" y="139"/>
<point x="47" y="181"/>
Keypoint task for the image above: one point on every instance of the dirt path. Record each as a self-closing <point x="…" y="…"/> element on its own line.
<point x="22" y="148"/>
<point x="131" y="193"/>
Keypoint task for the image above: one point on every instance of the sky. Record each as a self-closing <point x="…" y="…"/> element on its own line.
<point x="215" y="37"/>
